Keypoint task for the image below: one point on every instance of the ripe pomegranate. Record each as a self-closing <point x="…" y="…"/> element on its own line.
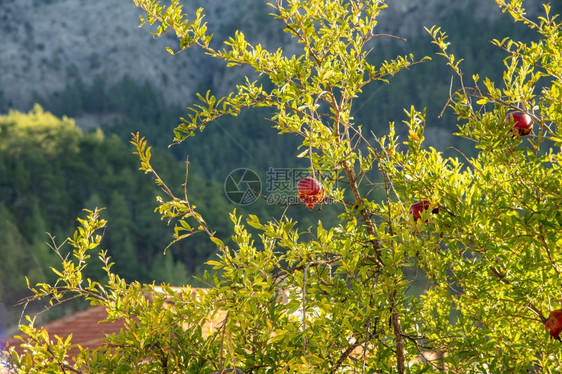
<point x="311" y="191"/>
<point x="522" y="123"/>
<point x="554" y="324"/>
<point x="417" y="208"/>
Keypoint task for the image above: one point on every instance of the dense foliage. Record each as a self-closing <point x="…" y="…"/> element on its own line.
<point x="488" y="236"/>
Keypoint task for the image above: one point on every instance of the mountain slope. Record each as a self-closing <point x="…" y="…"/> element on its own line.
<point x="46" y="44"/>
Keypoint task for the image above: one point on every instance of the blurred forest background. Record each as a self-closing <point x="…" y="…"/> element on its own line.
<point x="74" y="85"/>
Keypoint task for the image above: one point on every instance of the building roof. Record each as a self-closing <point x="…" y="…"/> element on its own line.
<point x="89" y="332"/>
<point x="85" y="327"/>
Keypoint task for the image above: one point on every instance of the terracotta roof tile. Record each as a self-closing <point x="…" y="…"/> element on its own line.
<point x="88" y="331"/>
<point x="85" y="327"/>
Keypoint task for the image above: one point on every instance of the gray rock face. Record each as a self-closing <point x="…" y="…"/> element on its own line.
<point x="47" y="43"/>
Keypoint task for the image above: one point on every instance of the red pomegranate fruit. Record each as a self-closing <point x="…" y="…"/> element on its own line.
<point x="311" y="191"/>
<point x="522" y="123"/>
<point x="417" y="208"/>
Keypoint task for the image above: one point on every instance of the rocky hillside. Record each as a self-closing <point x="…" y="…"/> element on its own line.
<point x="47" y="43"/>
